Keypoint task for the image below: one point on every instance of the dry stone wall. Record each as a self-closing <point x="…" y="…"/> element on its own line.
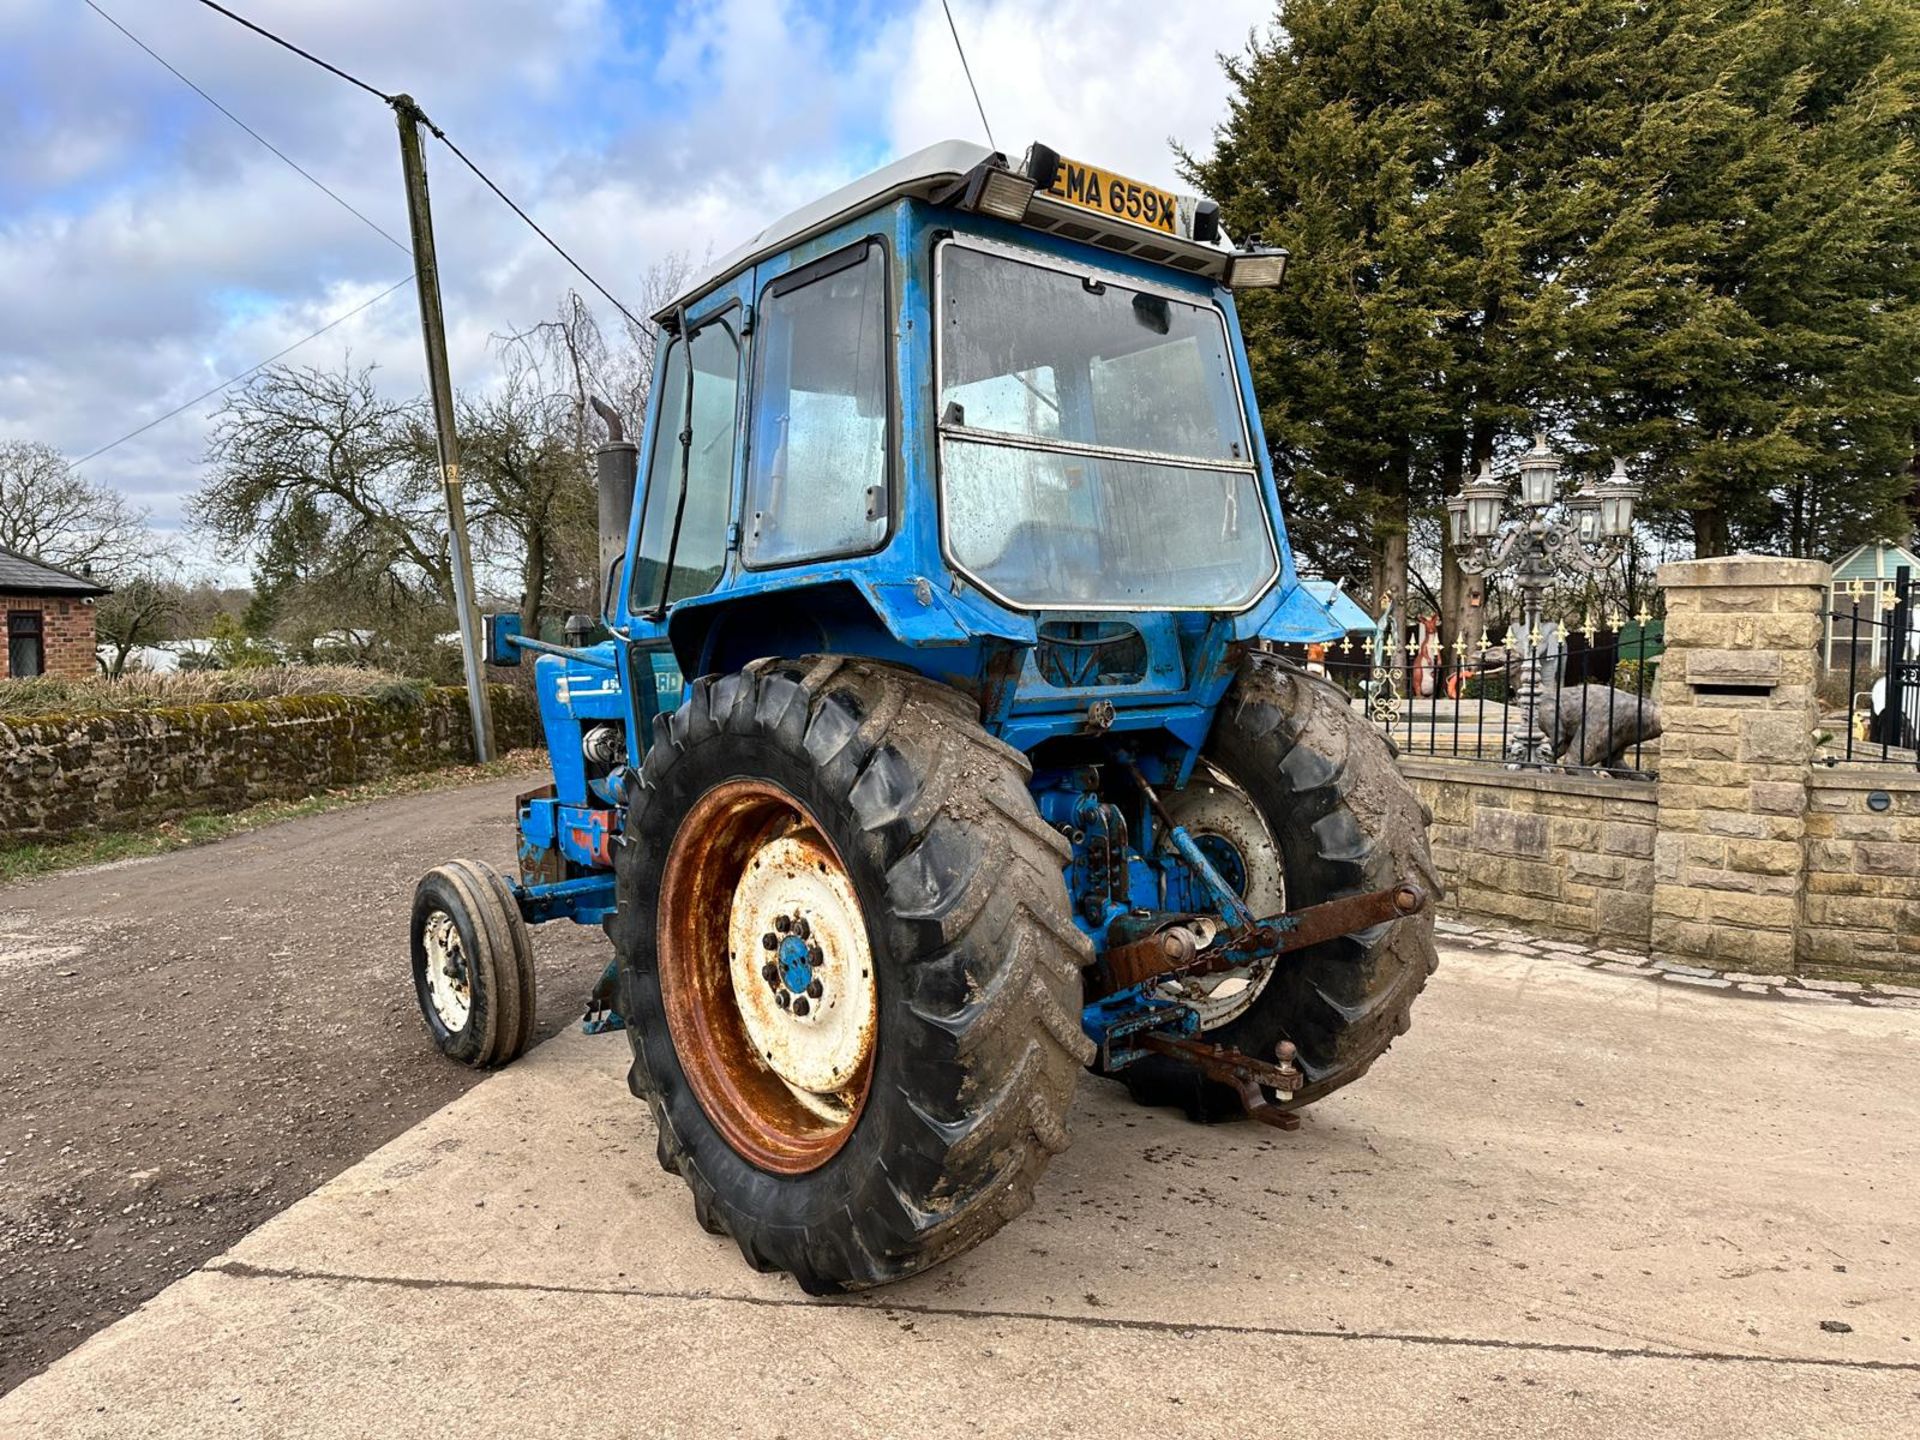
<point x="62" y="776"/>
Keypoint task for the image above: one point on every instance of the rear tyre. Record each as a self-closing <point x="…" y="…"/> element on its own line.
<point x="1346" y="821"/>
<point x="860" y="820"/>
<point x="472" y="964"/>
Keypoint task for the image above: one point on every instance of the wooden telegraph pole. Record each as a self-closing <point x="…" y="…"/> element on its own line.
<point x="426" y="271"/>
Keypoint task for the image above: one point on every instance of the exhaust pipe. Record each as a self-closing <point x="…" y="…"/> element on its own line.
<point x="617" y="463"/>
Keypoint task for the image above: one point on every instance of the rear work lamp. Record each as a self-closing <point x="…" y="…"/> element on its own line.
<point x="1260" y="268"/>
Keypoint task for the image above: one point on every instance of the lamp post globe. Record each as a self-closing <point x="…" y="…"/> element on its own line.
<point x="1539" y="474"/>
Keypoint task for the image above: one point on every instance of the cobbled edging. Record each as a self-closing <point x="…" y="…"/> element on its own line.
<point x="1791" y="988"/>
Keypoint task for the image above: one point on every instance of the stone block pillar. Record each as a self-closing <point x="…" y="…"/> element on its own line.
<point x="1737" y="714"/>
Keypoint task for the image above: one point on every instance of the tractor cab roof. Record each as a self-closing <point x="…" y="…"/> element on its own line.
<point x="940" y="172"/>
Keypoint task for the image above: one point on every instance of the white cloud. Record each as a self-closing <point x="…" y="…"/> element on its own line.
<point x="149" y="249"/>
<point x="1111" y="83"/>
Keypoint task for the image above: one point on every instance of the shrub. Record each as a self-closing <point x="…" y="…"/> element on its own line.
<point x="1627" y="676"/>
<point x="1490" y="686"/>
<point x="49" y="695"/>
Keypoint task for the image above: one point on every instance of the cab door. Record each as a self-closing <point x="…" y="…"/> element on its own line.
<point x="682" y="541"/>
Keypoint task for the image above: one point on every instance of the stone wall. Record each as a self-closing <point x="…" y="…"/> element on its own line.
<point x="1860" y="913"/>
<point x="1745" y="855"/>
<point x="1560" y="854"/>
<point x="67" y="775"/>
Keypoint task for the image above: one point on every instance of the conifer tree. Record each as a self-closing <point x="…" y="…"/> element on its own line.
<point x="1683" y="231"/>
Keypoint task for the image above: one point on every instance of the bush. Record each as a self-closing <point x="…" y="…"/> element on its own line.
<point x="1490" y="686"/>
<point x="401" y="694"/>
<point x="1627" y="676"/>
<point x="49" y="695"/>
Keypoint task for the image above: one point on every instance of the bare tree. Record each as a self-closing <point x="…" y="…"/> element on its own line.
<point x="141" y="611"/>
<point x="335" y="484"/>
<point x="579" y="359"/>
<point x="51" y="513"/>
<point x="530" y="498"/>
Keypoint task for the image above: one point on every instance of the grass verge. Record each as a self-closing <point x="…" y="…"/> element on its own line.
<point x="23" y="862"/>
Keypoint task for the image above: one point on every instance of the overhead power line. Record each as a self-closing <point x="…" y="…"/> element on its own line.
<point x="303" y="54"/>
<point x="441" y="136"/>
<point x="984" y="124"/>
<point x="507" y="199"/>
<point x="305" y="174"/>
<point x="244" y="374"/>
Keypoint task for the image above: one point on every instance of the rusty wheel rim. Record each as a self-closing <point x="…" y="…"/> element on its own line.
<point x="767" y="976"/>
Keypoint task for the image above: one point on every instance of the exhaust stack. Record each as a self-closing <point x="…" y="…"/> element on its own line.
<point x="617" y="462"/>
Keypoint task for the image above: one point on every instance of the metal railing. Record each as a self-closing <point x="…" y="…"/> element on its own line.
<point x="1596" y="709"/>
<point x="1882" y="667"/>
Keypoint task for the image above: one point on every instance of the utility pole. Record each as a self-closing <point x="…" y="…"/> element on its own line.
<point x="426" y="273"/>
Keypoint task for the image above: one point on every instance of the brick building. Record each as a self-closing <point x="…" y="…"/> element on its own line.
<point x="49" y="619"/>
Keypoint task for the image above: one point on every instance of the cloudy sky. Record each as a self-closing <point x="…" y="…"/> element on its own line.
<point x="150" y="249"/>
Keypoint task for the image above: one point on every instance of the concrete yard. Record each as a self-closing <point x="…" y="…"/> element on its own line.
<point x="1569" y="1202"/>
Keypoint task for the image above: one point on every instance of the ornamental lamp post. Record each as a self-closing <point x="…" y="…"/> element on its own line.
<point x="1588" y="533"/>
<point x="1615" y="498"/>
<point x="1539" y="475"/>
<point x="1485" y="500"/>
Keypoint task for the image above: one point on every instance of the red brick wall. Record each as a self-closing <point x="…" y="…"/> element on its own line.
<point x="66" y="633"/>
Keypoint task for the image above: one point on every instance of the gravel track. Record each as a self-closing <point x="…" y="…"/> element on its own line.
<point x="195" y="1041"/>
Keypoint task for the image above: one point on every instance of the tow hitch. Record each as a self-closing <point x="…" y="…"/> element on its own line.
<point x="1250" y="1078"/>
<point x="1175" y="947"/>
<point x="1144" y="949"/>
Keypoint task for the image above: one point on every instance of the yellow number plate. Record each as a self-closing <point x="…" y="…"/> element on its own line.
<point x="1115" y="196"/>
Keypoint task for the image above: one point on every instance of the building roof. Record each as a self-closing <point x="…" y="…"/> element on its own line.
<point x="21" y="576"/>
<point x="1876" y="561"/>
<point x="1346" y="611"/>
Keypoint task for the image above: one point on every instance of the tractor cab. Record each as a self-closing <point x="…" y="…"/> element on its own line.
<point x="939" y="746"/>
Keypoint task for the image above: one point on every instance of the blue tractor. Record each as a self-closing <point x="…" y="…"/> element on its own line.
<point x="953" y="498"/>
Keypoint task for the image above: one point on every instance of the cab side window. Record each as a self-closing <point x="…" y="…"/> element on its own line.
<point x="817" y="476"/>
<point x="690" y="533"/>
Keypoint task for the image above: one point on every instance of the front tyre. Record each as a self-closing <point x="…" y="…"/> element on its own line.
<point x="848" y="968"/>
<point x="472" y="964"/>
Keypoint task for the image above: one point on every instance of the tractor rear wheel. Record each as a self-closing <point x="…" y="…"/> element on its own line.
<point x="472" y="964"/>
<point x="1345" y="821"/>
<point x="848" y="968"/>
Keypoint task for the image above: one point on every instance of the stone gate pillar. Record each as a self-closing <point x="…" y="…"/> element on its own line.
<point x="1737" y="712"/>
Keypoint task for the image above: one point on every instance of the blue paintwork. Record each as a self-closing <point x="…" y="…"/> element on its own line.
<point x="796" y="968"/>
<point x="586" y="900"/>
<point x="903" y="603"/>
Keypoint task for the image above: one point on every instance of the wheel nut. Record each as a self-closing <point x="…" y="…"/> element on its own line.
<point x="815" y="956"/>
<point x="770" y="973"/>
<point x="783" y="923"/>
<point x="816" y="989"/>
<point x="769" y="941"/>
<point x="800" y="1006"/>
<point x="781" y="998"/>
<point x="801" y="928"/>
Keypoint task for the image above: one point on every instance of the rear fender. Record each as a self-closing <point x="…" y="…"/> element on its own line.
<point x="914" y="623"/>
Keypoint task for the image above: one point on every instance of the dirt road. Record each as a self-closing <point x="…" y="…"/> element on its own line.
<point x="191" y="1043"/>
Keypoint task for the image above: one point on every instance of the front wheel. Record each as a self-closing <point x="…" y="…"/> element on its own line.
<point x="848" y="967"/>
<point x="472" y="964"/>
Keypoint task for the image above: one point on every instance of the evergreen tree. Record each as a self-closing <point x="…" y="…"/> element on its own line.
<point x="1682" y="231"/>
